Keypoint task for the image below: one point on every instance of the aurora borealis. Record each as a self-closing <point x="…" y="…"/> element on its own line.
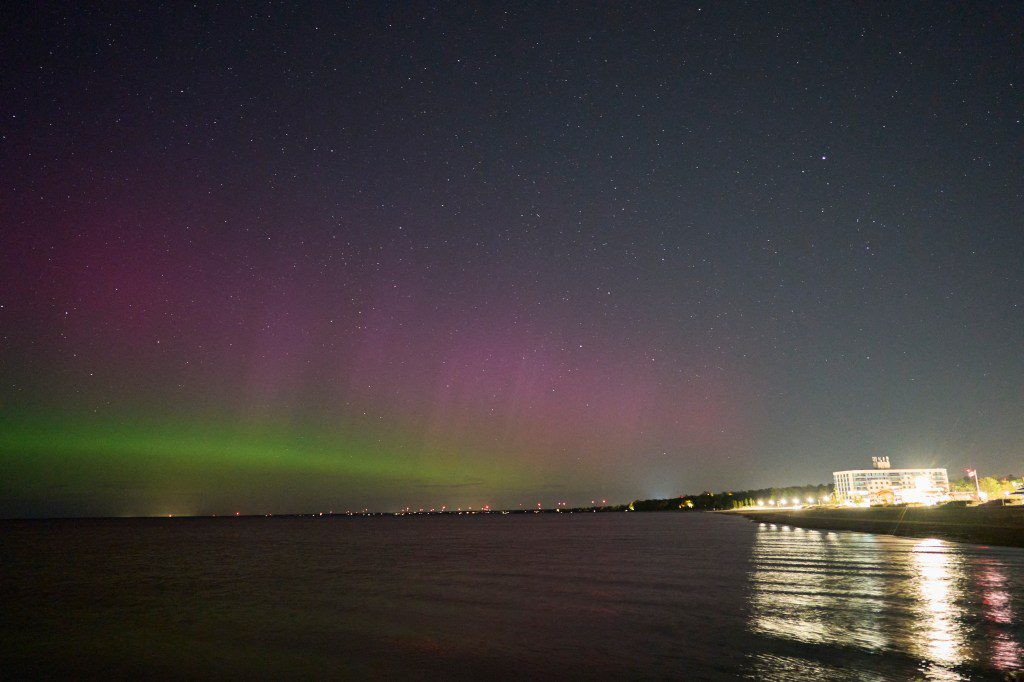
<point x="289" y="259"/>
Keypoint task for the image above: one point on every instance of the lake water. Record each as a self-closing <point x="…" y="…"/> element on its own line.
<point x="684" y="596"/>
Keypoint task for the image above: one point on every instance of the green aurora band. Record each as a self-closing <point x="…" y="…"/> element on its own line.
<point x="116" y="466"/>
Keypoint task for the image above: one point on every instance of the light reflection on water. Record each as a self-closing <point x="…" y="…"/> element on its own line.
<point x="994" y="582"/>
<point x="591" y="596"/>
<point x="932" y="609"/>
<point x="939" y="572"/>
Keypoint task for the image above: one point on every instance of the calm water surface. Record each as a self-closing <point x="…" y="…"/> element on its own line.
<point x="694" y="596"/>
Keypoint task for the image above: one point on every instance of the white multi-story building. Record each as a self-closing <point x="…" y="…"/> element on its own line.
<point x="905" y="485"/>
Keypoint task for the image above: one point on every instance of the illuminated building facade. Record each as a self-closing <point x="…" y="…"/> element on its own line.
<point x="884" y="484"/>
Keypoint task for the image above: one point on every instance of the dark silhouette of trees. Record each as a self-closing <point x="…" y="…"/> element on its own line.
<point x="710" y="501"/>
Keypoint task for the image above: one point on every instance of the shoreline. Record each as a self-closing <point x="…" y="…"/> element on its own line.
<point x="1003" y="526"/>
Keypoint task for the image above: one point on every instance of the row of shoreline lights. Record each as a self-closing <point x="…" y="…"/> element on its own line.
<point x="444" y="508"/>
<point x="790" y="502"/>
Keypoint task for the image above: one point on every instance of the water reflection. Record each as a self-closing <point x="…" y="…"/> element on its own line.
<point x="937" y="571"/>
<point x="806" y="585"/>
<point x="997" y="605"/>
<point x="877" y="606"/>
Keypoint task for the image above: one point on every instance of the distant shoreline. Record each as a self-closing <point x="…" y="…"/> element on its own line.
<point x="1002" y="526"/>
<point x="325" y="515"/>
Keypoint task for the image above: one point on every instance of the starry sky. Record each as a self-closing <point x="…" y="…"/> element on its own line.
<point x="265" y="258"/>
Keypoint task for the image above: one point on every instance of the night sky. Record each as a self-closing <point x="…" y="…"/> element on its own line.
<point x="262" y="258"/>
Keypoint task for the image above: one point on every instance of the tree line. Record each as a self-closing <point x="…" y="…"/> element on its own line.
<point x="711" y="501"/>
<point x="991" y="486"/>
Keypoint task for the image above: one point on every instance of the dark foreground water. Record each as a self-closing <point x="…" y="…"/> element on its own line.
<point x="686" y="596"/>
